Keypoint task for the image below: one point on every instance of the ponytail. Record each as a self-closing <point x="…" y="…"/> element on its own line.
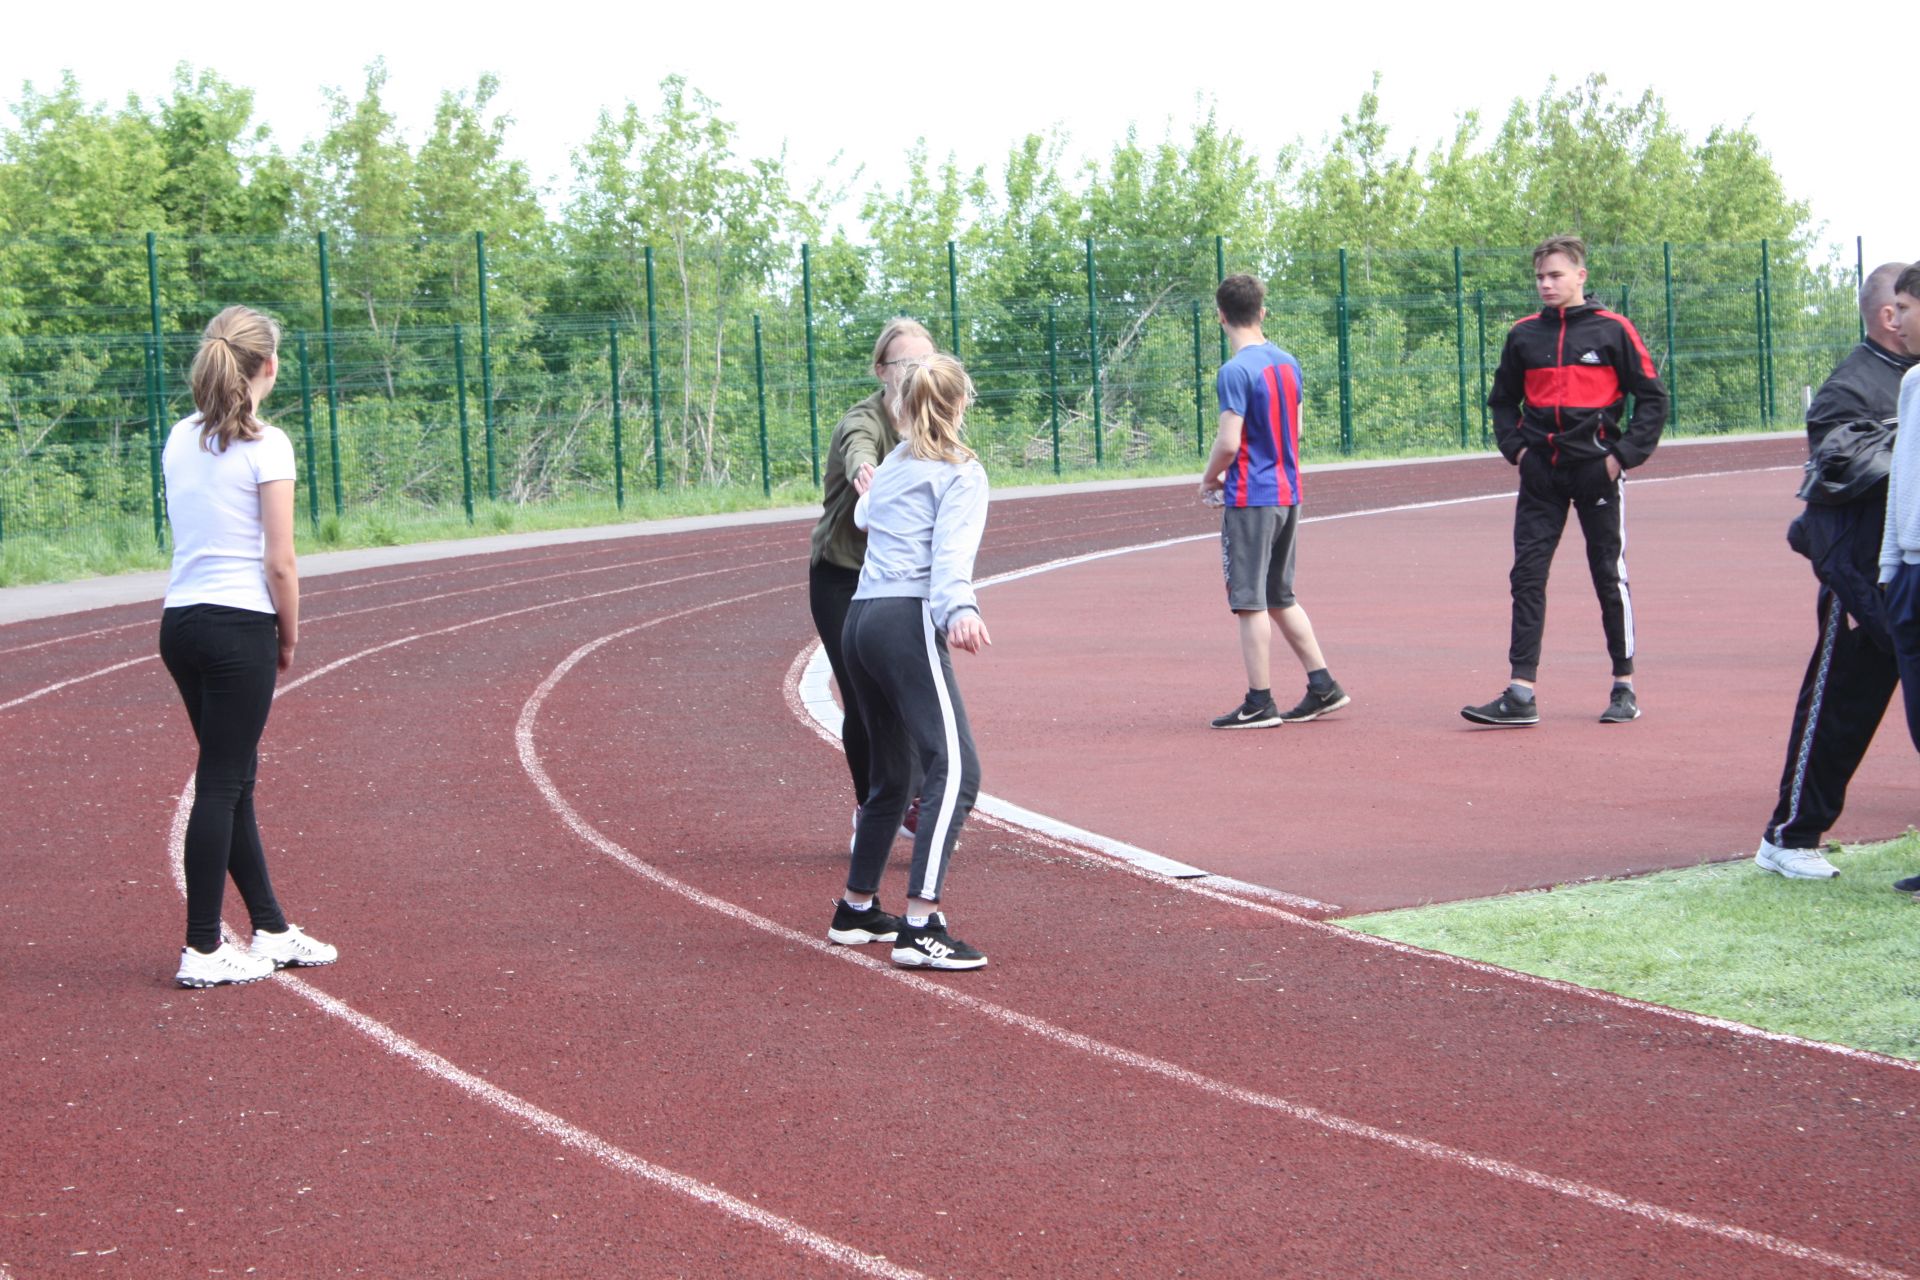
<point x="236" y="345"/>
<point x="934" y="404"/>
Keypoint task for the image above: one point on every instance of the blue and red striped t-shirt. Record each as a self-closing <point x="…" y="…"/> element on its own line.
<point x="1262" y="385"/>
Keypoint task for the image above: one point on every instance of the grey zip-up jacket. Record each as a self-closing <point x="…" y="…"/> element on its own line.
<point x="923" y="521"/>
<point x="1900" y="543"/>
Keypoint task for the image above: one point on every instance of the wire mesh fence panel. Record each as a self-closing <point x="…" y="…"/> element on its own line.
<point x="435" y="374"/>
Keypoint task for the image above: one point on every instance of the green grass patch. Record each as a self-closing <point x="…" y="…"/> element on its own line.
<point x="1833" y="960"/>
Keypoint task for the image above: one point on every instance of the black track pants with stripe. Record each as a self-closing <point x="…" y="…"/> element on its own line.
<point x="1539" y="518"/>
<point x="1849" y="682"/>
<point x="903" y="680"/>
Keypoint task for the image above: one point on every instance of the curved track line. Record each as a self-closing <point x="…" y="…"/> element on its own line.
<point x="1505" y="1170"/>
<point x="1100" y="850"/>
<point x="546" y="1122"/>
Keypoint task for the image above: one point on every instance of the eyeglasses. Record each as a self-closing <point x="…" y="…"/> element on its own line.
<point x="906" y="360"/>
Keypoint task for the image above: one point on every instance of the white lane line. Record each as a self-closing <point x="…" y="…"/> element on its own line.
<point x="1505" y="1170"/>
<point x="62" y="684"/>
<point x="546" y="1122"/>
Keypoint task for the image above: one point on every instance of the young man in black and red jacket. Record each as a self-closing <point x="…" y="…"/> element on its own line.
<point x="1558" y="400"/>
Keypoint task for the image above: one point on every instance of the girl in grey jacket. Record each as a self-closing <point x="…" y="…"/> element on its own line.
<point x="924" y="516"/>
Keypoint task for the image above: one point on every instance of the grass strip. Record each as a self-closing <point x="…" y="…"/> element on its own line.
<point x="1831" y="960"/>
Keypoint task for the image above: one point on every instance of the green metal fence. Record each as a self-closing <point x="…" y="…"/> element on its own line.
<point x="447" y="373"/>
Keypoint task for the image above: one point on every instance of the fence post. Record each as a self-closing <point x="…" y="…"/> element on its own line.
<point x="1199" y="404"/>
<point x="1093" y="349"/>
<point x="466" y="445"/>
<point x="953" y="296"/>
<point x="760" y="383"/>
<point x="1766" y="319"/>
<point x="306" y="422"/>
<point x="155" y="488"/>
<point x="1346" y="361"/>
<point x="1860" y="276"/>
<point x="1760" y="347"/>
<point x="1053" y="375"/>
<point x="1480" y="321"/>
<point x="159" y="339"/>
<point x="1220" y="278"/>
<point x="1460" y="338"/>
<point x="619" y="455"/>
<point x="813" y="386"/>
<point x="653" y="376"/>
<point x="486" y="364"/>
<point x="1673" y="369"/>
<point x="333" y="379"/>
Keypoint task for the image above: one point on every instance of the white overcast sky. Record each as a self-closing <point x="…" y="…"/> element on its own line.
<point x="866" y="80"/>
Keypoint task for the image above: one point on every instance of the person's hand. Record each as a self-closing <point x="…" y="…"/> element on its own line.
<point x="1521" y="456"/>
<point x="863" y="478"/>
<point x="286" y="654"/>
<point x="1613" y="467"/>
<point x="969" y="632"/>
<point x="1213" y="483"/>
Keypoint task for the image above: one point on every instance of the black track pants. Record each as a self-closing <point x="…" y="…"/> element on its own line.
<point x="1539" y="518"/>
<point x="224" y="663"/>
<point x="903" y="678"/>
<point x="829" y="593"/>
<point x="1843" y="696"/>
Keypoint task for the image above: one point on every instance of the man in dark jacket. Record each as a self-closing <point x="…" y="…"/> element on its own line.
<point x="1851" y="676"/>
<point x="1558" y="400"/>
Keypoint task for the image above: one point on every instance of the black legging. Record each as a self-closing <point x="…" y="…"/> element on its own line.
<point x="224" y="661"/>
<point x="829" y="592"/>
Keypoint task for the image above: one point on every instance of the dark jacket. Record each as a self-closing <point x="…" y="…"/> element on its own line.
<point x="1563" y="380"/>
<point x="1842" y="539"/>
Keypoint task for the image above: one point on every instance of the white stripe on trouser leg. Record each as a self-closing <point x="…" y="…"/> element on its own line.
<point x="1626" y="596"/>
<point x="950" y="727"/>
<point x="1803" y="750"/>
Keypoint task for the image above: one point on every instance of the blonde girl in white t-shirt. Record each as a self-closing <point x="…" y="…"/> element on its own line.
<point x="230" y="623"/>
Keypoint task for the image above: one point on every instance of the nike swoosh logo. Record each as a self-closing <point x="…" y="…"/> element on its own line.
<point x="1255" y="716"/>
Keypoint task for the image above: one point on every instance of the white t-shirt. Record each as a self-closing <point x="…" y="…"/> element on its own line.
<point x="213" y="503"/>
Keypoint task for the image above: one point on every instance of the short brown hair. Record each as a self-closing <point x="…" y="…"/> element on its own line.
<point x="1240" y="298"/>
<point x="1909" y="281"/>
<point x="1573" y="246"/>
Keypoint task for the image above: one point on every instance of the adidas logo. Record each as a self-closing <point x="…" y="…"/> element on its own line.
<point x="1600" y="502"/>
<point x="1592" y="357"/>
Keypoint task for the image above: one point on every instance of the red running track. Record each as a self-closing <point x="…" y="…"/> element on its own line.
<point x="578" y="858"/>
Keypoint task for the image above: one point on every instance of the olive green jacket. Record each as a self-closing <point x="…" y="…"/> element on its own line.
<point x="865" y="435"/>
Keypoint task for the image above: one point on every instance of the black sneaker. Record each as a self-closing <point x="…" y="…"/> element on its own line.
<point x="931" y="947"/>
<point x="852" y="928"/>
<point x="1909" y="885"/>
<point x="1250" y="715"/>
<point x="1315" y="705"/>
<point x="1505" y="711"/>
<point x="1621" y="707"/>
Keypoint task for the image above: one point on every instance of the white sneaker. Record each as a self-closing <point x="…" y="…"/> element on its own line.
<point x="228" y="964"/>
<point x="1794" y="864"/>
<point x="292" y="949"/>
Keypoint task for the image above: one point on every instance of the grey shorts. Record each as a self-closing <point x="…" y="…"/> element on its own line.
<point x="1256" y="554"/>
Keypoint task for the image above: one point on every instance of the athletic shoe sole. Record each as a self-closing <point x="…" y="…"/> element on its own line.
<point x="1329" y="709"/>
<point x="1252" y="724"/>
<point x="1766" y="864"/>
<point x="1498" y="724"/>
<point x="908" y="959"/>
<point x="202" y="984"/>
<point x="859" y="937"/>
<point x="1610" y="719"/>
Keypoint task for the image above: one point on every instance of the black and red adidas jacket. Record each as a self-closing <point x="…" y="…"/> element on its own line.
<point x="1563" y="381"/>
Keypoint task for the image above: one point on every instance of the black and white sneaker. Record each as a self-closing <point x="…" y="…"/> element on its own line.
<point x="1505" y="711"/>
<point x="851" y="928"/>
<point x="930" y="946"/>
<point x="1250" y="715"/>
<point x="1315" y="705"/>
<point x="1622" y="706"/>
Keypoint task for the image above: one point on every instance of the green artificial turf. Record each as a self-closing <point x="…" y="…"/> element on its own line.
<point x="1833" y="960"/>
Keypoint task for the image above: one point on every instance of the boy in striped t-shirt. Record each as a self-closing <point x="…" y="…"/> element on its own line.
<point x="1255" y="472"/>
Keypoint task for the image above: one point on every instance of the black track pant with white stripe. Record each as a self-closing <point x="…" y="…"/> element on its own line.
<point x="1849" y="682"/>
<point x="903" y="680"/>
<point x="1539" y="518"/>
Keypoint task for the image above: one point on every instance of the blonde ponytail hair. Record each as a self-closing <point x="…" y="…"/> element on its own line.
<point x="933" y="408"/>
<point x="235" y="346"/>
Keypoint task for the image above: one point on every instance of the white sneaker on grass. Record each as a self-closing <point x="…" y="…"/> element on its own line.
<point x="292" y="949"/>
<point x="1794" y="864"/>
<point x="228" y="964"/>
